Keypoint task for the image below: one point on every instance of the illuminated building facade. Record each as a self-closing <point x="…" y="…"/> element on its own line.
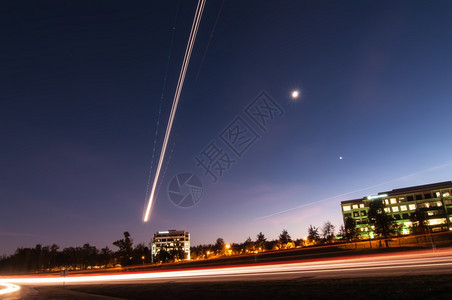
<point x="432" y="199"/>
<point x="171" y="240"/>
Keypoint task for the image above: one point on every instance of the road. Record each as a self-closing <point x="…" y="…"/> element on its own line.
<point x="395" y="264"/>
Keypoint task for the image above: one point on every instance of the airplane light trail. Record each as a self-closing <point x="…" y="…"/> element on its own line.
<point x="180" y="83"/>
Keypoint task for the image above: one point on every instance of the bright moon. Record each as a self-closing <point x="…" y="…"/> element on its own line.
<point x="295" y="94"/>
<point x="340" y="157"/>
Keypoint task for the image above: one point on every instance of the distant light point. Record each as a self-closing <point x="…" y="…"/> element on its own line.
<point x="295" y="94"/>
<point x="340" y="157"/>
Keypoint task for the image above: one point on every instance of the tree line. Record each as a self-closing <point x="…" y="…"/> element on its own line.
<point x="51" y="258"/>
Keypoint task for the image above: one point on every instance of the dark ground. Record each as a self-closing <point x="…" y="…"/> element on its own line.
<point x="407" y="287"/>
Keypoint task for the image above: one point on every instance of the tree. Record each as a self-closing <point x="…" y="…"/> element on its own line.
<point x="351" y="233"/>
<point x="105" y="256"/>
<point x="313" y="234"/>
<point x="163" y="255"/>
<point x="141" y="254"/>
<point x="125" y="249"/>
<point x="89" y="255"/>
<point x="248" y="245"/>
<point x="328" y="232"/>
<point x="219" y="246"/>
<point x="260" y="241"/>
<point x="284" y="238"/>
<point x="384" y="223"/>
<point x="419" y="221"/>
<point x="54" y="256"/>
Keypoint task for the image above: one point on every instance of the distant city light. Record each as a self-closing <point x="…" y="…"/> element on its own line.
<point x="295" y="94"/>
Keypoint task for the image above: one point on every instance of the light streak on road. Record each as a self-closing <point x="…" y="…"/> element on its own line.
<point x="180" y="83"/>
<point x="6" y="288"/>
<point x="371" y="264"/>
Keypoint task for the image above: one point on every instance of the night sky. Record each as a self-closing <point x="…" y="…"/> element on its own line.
<point x="81" y="85"/>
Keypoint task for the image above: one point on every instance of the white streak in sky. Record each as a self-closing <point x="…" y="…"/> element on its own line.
<point x="352" y="192"/>
<point x="180" y="83"/>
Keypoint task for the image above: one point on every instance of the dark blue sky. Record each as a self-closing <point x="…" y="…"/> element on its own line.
<point x="80" y="90"/>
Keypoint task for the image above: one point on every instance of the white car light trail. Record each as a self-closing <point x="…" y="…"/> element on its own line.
<point x="395" y="261"/>
<point x="6" y="288"/>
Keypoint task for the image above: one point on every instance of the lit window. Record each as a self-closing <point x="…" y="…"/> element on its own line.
<point x="393" y="200"/>
<point x="403" y="207"/>
<point x="402" y="199"/>
<point x="387" y="209"/>
<point x="386" y="201"/>
<point x="412" y="206"/>
<point x="436" y="221"/>
<point x="438" y="194"/>
<point x="361" y="205"/>
<point x="446" y="194"/>
<point x="395" y="209"/>
<point x="439" y="203"/>
<point x="355" y="206"/>
<point x="346" y="208"/>
<point x="407" y="224"/>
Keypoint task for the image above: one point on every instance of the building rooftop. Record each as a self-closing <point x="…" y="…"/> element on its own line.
<point x="407" y="190"/>
<point x="418" y="188"/>
<point x="353" y="201"/>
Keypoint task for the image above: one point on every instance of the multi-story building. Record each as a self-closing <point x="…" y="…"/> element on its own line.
<point x="177" y="240"/>
<point x="435" y="200"/>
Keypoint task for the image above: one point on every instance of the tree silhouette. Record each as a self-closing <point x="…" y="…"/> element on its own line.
<point x="125" y="249"/>
<point x="284" y="238"/>
<point x="384" y="223"/>
<point x="219" y="246"/>
<point x="328" y="232"/>
<point x="419" y="221"/>
<point x="351" y="233"/>
<point x="260" y="241"/>
<point x="248" y="245"/>
<point x="313" y="234"/>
